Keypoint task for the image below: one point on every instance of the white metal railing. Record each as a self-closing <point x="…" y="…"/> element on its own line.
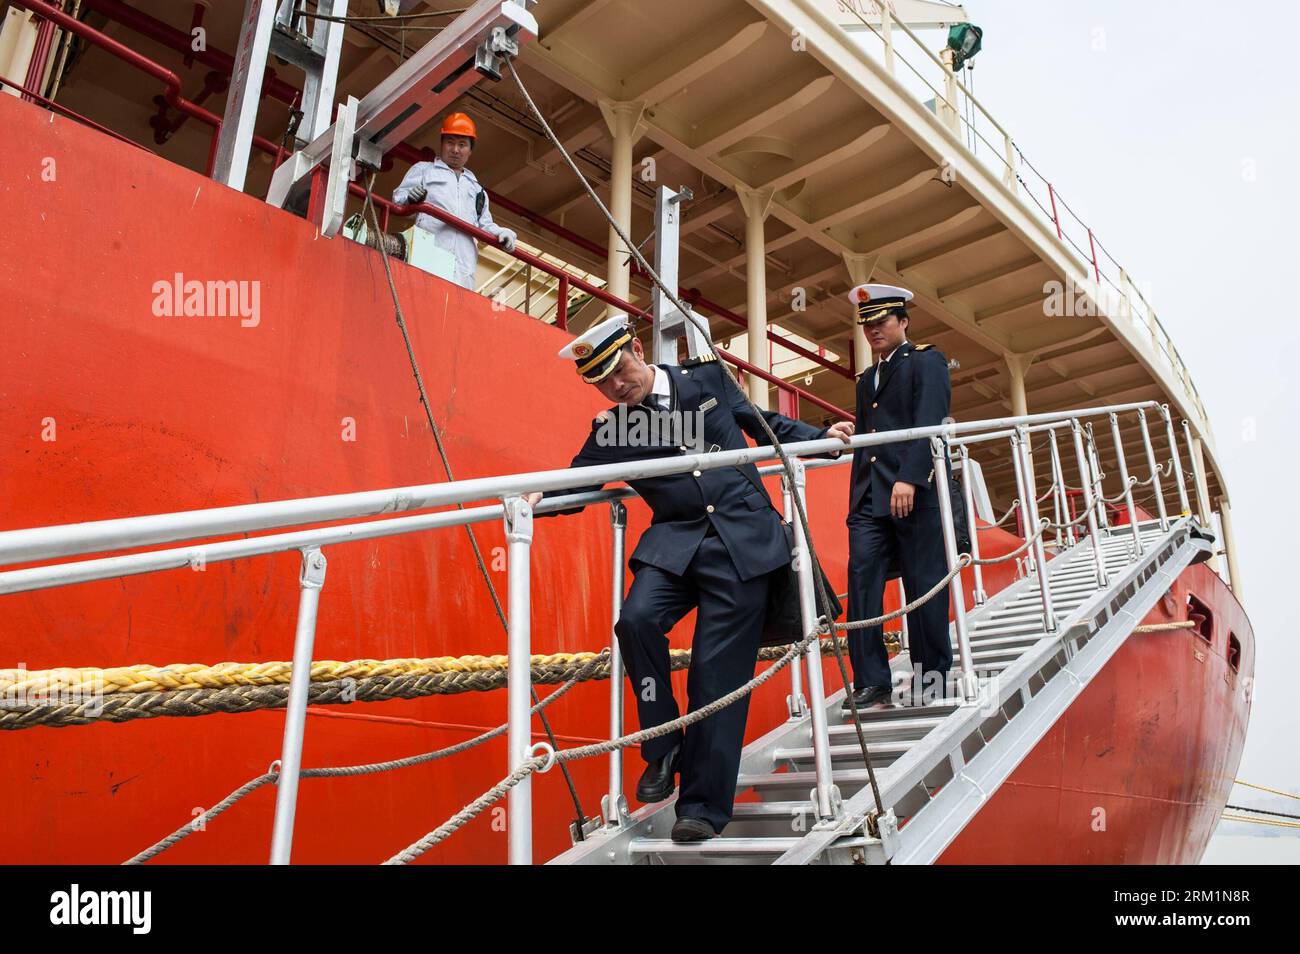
<point x="927" y="75"/>
<point x="52" y="543"/>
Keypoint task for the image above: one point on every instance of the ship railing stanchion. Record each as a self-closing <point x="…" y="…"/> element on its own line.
<point x="519" y="537"/>
<point x="939" y="455"/>
<point x="1085" y="482"/>
<point x="904" y="638"/>
<point x="795" y="702"/>
<point x="1031" y="517"/>
<point x="1060" y="502"/>
<point x="1184" y="506"/>
<point x="825" y="796"/>
<point x="1022" y="518"/>
<point x="614" y="804"/>
<point x="1156" y="487"/>
<point x="968" y="498"/>
<point x="310" y="581"/>
<point x="1098" y="487"/>
<point x="1128" y="487"/>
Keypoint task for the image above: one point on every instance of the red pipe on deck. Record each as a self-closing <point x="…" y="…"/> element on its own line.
<point x="171" y="82"/>
<point x="40" y="59"/>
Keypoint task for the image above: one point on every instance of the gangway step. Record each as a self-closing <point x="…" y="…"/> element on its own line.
<point x="755" y="850"/>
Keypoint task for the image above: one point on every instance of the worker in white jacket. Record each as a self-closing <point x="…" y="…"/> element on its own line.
<point x="447" y="184"/>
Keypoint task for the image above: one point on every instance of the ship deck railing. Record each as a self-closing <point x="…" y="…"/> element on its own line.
<point x="963" y="112"/>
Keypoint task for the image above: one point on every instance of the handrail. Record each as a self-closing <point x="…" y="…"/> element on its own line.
<point x="42" y="543"/>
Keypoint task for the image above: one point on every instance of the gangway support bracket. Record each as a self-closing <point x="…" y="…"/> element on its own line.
<point x="470" y="47"/>
<point x="670" y="324"/>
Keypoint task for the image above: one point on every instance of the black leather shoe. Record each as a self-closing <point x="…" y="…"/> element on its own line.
<point x="692" y="829"/>
<point x="868" y="697"/>
<point x="659" y="778"/>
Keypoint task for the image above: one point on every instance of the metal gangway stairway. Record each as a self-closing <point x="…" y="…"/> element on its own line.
<point x="938" y="763"/>
<point x="1023" y="655"/>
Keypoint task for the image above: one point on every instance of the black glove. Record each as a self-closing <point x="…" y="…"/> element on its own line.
<point x="417" y="195"/>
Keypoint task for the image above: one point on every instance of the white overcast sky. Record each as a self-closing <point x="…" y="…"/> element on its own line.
<point x="1172" y="128"/>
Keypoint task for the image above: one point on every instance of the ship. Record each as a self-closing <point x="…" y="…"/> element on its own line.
<point x="202" y="351"/>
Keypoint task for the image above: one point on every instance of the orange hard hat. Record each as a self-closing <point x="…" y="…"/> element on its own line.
<point x="458" y="124"/>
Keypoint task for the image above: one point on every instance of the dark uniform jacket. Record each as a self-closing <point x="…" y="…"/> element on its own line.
<point x="914" y="392"/>
<point x="684" y="505"/>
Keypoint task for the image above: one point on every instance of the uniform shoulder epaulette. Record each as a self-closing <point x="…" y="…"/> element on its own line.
<point x="694" y="362"/>
<point x="924" y="347"/>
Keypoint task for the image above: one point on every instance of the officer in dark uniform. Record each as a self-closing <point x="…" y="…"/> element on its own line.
<point x="893" y="502"/>
<point x="713" y="543"/>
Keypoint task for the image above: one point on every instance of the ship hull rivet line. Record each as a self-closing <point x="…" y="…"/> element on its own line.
<point x="311" y="581"/>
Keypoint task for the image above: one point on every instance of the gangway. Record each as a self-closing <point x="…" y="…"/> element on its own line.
<point x="936" y="764"/>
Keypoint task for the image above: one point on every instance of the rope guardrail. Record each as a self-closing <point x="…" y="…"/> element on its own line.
<point x="1132" y="481"/>
<point x="1043" y="525"/>
<point x="541" y="763"/>
<point x="963" y="561"/>
<point x="1015" y="505"/>
<point x="252" y="785"/>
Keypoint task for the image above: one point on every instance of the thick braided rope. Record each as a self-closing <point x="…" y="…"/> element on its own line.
<point x="1162" y="627"/>
<point x="62" y="708"/>
<point x="197" y="690"/>
<point x="176" y="676"/>
<point x="355" y="770"/>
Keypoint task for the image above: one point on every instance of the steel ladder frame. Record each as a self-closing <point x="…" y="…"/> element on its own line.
<point x="941" y="780"/>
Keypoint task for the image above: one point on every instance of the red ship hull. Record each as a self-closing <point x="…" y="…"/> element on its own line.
<point x="110" y="409"/>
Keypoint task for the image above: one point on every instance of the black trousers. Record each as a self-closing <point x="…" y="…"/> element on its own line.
<point x="914" y="543"/>
<point x="724" y="651"/>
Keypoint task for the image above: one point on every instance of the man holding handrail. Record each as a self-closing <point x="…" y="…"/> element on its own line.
<point x="713" y="545"/>
<point x="893" y="502"/>
<point x="448" y="184"/>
